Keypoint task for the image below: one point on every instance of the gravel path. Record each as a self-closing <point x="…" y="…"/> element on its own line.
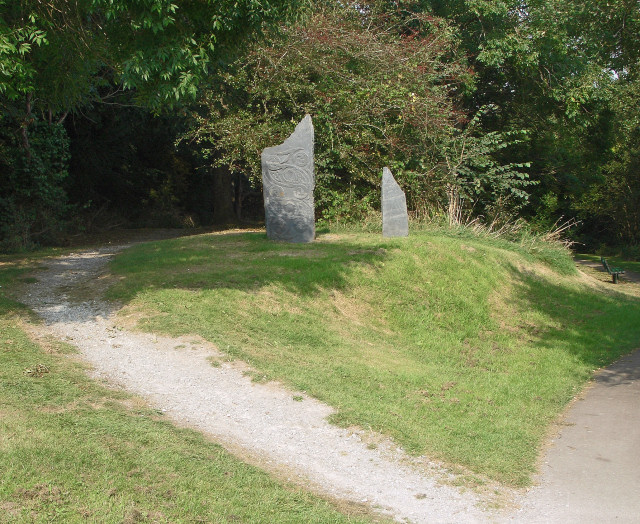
<point x="261" y="422"/>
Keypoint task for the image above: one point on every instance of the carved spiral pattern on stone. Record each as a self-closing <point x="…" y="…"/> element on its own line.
<point x="288" y="183"/>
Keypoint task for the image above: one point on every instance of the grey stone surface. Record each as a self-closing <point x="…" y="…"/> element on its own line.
<point x="288" y="180"/>
<point x="395" y="220"/>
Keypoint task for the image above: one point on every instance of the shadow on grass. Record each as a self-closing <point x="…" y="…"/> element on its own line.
<point x="10" y="275"/>
<point x="240" y="261"/>
<point x="246" y="262"/>
<point x="595" y="328"/>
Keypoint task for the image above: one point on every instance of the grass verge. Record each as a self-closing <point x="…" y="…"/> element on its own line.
<point x="462" y="348"/>
<point x="74" y="451"/>
<point x="627" y="265"/>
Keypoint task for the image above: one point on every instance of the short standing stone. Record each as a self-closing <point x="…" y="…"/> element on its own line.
<point x="395" y="221"/>
<point x="288" y="181"/>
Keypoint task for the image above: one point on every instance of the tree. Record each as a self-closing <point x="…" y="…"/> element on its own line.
<point x="61" y="57"/>
<point x="63" y="50"/>
<point x="557" y="69"/>
<point x="16" y="42"/>
<point x="476" y="180"/>
<point x="611" y="206"/>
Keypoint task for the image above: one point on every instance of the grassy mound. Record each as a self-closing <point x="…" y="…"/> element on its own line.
<point x="461" y="348"/>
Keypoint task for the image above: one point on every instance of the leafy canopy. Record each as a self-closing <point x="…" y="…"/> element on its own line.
<point x="66" y="51"/>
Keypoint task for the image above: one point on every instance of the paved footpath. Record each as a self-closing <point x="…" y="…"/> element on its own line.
<point x="591" y="473"/>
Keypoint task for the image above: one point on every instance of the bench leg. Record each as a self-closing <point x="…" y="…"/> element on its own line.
<point x="615" y="278"/>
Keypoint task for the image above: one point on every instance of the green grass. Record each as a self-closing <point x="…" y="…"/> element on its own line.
<point x="627" y="265"/>
<point x="73" y="451"/>
<point x="462" y="348"/>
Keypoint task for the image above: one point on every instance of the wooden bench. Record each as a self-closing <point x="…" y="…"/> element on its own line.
<point x="613" y="271"/>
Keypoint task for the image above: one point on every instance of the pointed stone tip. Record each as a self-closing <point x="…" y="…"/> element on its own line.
<point x="305" y="122"/>
<point x="388" y="180"/>
<point x="304" y="126"/>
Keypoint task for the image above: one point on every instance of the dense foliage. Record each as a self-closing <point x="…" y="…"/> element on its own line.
<point x="64" y="58"/>
<point x="384" y="90"/>
<point x="565" y="71"/>
<point x="32" y="198"/>
<point x="435" y="89"/>
<point x="379" y="96"/>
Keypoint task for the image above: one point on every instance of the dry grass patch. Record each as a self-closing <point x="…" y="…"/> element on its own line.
<point x="49" y="344"/>
<point x="271" y="301"/>
<point x="350" y="309"/>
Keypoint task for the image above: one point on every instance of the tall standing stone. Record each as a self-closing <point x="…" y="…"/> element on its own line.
<point x="288" y="181"/>
<point x="395" y="220"/>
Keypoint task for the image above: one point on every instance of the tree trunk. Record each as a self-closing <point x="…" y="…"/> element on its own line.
<point x="454" y="210"/>
<point x="24" y="130"/>
<point x="239" y="197"/>
<point x="223" y="196"/>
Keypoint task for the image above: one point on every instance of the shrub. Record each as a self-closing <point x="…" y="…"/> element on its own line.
<point x="32" y="199"/>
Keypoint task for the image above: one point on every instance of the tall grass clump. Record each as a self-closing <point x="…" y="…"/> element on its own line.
<point x="550" y="245"/>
